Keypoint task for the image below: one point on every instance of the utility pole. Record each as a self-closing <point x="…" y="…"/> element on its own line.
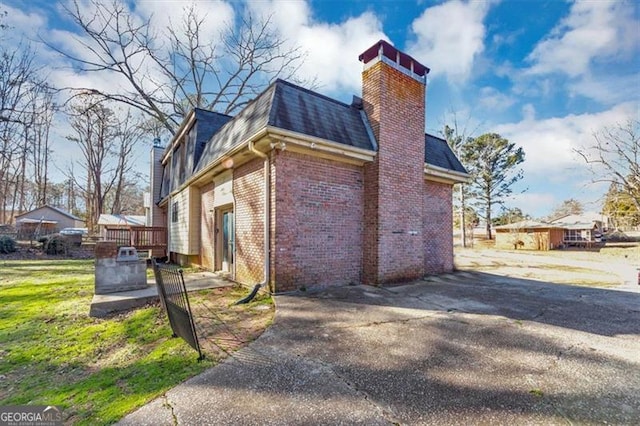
<point x="462" y="217"/>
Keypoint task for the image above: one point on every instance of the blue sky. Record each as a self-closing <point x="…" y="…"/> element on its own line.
<point x="544" y="74"/>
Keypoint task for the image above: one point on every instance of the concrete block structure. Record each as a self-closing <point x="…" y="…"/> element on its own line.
<point x="299" y="190"/>
<point x="118" y="269"/>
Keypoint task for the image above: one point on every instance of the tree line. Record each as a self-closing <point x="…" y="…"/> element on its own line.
<point x="492" y="161"/>
<point x="157" y="75"/>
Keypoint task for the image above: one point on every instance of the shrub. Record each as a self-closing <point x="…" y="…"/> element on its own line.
<point x="56" y="244"/>
<point x="7" y="244"/>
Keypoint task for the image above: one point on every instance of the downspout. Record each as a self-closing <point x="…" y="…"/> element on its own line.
<point x="266" y="220"/>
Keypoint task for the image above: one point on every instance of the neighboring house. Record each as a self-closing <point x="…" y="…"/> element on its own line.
<point x="582" y="228"/>
<point x="119" y="221"/>
<point x="299" y="190"/>
<point x="529" y="235"/>
<point x="569" y="230"/>
<point x="45" y="220"/>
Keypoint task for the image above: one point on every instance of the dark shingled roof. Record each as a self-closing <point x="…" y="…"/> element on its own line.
<point x="293" y="108"/>
<point x="303" y="111"/>
<point x="290" y="107"/>
<point x="209" y="122"/>
<point x="438" y="153"/>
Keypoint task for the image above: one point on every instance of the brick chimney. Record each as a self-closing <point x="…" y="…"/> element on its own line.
<point x="156" y="216"/>
<point x="393" y="92"/>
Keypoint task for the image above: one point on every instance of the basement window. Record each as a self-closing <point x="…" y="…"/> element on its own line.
<point x="174" y="212"/>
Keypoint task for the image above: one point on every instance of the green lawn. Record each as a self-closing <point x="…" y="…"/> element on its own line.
<point x="53" y="353"/>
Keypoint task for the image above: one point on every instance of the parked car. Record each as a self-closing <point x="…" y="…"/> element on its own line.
<point x="74" y="231"/>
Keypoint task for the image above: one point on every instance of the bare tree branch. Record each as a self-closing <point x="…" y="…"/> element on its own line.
<point x="614" y="157"/>
<point x="167" y="75"/>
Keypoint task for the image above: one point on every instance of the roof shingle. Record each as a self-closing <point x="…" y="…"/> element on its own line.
<point x="293" y="108"/>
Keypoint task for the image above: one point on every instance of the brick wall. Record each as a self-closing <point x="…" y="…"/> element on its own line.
<point x="156" y="215"/>
<point x="318" y="222"/>
<point x="438" y="225"/>
<point x="394" y="103"/>
<point x="105" y="250"/>
<point x="207" y="228"/>
<point x="248" y="190"/>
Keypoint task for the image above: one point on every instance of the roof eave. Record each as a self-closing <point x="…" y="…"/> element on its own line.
<point x="441" y="174"/>
<point x="218" y="162"/>
<point x="319" y="145"/>
<point x="293" y="141"/>
<point x="184" y="126"/>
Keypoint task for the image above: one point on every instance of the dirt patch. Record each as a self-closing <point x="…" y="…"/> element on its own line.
<point x="610" y="266"/>
<point x="223" y="327"/>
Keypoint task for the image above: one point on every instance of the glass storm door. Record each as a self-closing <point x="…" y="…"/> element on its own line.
<point x="227" y="241"/>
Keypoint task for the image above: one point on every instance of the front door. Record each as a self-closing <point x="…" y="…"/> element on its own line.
<point x="227" y="240"/>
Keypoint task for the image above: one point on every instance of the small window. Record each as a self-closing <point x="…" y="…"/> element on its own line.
<point x="174" y="212"/>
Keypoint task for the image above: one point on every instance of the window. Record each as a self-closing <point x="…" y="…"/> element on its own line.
<point x="174" y="212"/>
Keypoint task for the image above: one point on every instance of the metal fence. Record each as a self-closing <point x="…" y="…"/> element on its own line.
<point x="175" y="301"/>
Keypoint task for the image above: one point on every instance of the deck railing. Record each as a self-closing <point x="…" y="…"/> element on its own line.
<point x="140" y="237"/>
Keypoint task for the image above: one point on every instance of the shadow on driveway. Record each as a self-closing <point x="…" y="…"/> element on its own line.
<point x="593" y="310"/>
<point x="470" y="348"/>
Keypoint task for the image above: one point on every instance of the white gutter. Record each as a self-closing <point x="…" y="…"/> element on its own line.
<point x="312" y="142"/>
<point x="233" y="151"/>
<point x="267" y="210"/>
<point x="446" y="174"/>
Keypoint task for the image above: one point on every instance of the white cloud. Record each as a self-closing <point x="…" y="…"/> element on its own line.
<point x="495" y="100"/>
<point x="332" y="50"/>
<point x="593" y="30"/>
<point x="450" y="37"/>
<point x="608" y="90"/>
<point x="528" y="112"/>
<point x="549" y="143"/>
<point x="22" y="23"/>
<point x="215" y="15"/>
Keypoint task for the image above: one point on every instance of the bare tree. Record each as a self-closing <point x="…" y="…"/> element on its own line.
<point x="106" y="143"/>
<point x="566" y="208"/>
<point x="20" y="84"/>
<point x="168" y="73"/>
<point x="128" y="134"/>
<point x="457" y="136"/>
<point x="42" y="110"/>
<point x="614" y="157"/>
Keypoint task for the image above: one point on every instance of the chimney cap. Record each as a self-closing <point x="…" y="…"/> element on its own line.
<point x="383" y="48"/>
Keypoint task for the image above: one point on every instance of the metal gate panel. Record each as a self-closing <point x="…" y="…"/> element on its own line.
<point x="175" y="301"/>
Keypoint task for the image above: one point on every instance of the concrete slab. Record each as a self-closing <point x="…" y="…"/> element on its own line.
<point x="105" y="304"/>
<point x="477" y="349"/>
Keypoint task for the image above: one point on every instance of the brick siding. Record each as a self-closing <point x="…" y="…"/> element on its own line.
<point x="438" y="225"/>
<point x="318" y="222"/>
<point x="248" y="190"/>
<point x="394" y="103"/>
<point x="105" y="250"/>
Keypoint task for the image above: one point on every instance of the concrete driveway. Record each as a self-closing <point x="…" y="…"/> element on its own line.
<point x="465" y="349"/>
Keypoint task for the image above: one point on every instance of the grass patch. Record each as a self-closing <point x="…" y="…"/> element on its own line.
<point x="96" y="369"/>
<point x="536" y="392"/>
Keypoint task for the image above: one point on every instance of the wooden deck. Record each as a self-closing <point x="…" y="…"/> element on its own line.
<point x="140" y="237"/>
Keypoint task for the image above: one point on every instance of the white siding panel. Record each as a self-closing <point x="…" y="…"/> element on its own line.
<point x="185" y="233"/>
<point x="179" y="232"/>
<point x="194" y="220"/>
